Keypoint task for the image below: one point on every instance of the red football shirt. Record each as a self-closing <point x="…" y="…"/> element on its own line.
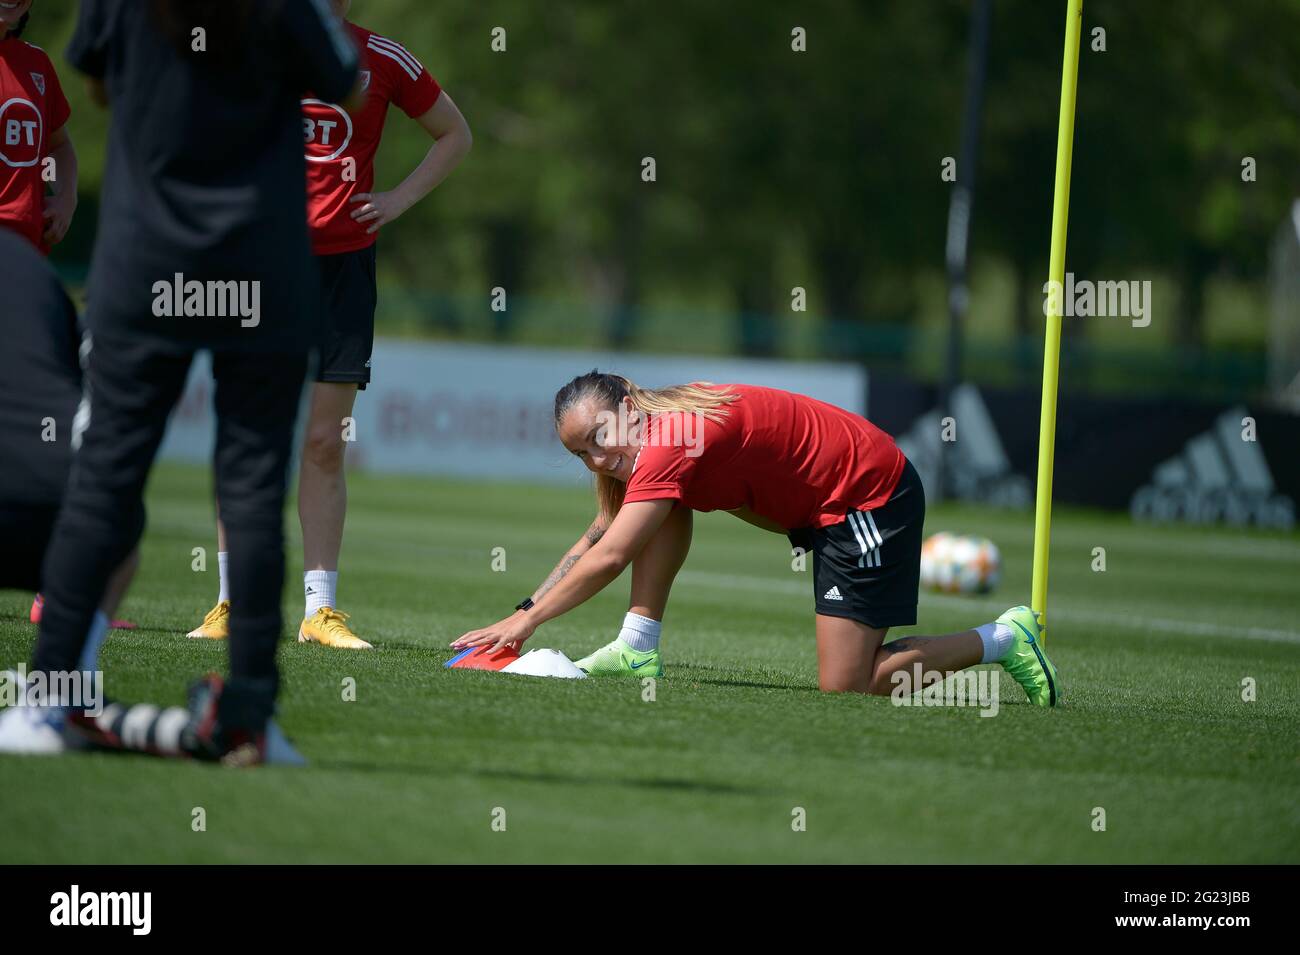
<point x="792" y="459"/>
<point x="32" y="108"/>
<point x="341" y="146"/>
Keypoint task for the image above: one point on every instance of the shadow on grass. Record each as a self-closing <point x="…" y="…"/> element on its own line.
<point x="757" y="686"/>
<point x="409" y="769"/>
<point x="83" y="751"/>
<point x="685" y="674"/>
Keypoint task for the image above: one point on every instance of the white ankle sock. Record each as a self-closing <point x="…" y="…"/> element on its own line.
<point x="318" y="587"/>
<point x="640" y="633"/>
<point x="997" y="641"/>
<point x="223" y="561"/>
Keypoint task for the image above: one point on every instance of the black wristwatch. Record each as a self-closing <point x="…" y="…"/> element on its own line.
<point x="525" y="604"/>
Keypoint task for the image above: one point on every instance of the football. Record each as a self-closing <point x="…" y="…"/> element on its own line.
<point x="959" y="564"/>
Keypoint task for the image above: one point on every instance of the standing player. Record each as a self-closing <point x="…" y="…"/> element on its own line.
<point x="35" y="148"/>
<point x="202" y="243"/>
<point x="831" y="480"/>
<point x="345" y="218"/>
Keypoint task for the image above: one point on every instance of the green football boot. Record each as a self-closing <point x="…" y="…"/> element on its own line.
<point x="618" y="659"/>
<point x="1026" y="660"/>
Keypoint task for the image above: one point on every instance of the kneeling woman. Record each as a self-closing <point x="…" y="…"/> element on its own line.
<point x="830" y="480"/>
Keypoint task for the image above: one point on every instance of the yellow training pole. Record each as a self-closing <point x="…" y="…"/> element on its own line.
<point x="1052" y="340"/>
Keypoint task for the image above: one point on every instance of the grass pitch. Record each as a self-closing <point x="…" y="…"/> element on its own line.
<point x="1153" y="654"/>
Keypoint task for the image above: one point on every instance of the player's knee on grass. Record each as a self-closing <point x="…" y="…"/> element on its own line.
<point x="846" y="656"/>
<point x="849" y="682"/>
<point x="875" y="686"/>
<point x="843" y="683"/>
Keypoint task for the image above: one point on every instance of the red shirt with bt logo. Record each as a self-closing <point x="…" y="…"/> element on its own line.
<point x="32" y="109"/>
<point x="341" y="146"/>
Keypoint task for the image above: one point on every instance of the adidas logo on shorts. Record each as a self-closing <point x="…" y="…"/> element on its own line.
<point x="833" y="594"/>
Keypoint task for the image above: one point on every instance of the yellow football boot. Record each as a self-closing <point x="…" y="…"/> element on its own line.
<point x="215" y="626"/>
<point x="326" y="626"/>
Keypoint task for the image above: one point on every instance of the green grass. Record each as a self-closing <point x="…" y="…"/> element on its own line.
<point x="1152" y="651"/>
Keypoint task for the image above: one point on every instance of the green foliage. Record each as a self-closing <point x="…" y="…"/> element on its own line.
<point x="817" y="169"/>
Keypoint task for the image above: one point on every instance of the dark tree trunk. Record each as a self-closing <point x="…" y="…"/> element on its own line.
<point x="840" y="274"/>
<point x="758" y="310"/>
<point x="1189" y="328"/>
<point x="507" y="261"/>
<point x="625" y="311"/>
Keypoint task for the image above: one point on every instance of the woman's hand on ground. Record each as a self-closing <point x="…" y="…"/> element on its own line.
<point x="513" y="630"/>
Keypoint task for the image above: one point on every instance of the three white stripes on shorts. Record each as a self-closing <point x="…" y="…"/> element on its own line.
<point x="869" y="539"/>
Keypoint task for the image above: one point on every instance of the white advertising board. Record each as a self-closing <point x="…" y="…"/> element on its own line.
<point x="484" y="411"/>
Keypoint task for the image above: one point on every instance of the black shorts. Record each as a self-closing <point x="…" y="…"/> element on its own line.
<point x="868" y="567"/>
<point x="347" y="326"/>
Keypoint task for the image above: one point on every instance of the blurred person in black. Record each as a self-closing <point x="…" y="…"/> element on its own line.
<point x="202" y="243"/>
<point x="40" y="392"/>
<point x="40" y="389"/>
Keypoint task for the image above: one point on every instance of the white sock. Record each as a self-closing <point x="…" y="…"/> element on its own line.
<point x="997" y="641"/>
<point x="89" y="659"/>
<point x="223" y="561"/>
<point x="640" y="633"/>
<point x="318" y="586"/>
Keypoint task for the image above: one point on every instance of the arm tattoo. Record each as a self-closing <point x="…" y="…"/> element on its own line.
<point x="562" y="568"/>
<point x="594" y="533"/>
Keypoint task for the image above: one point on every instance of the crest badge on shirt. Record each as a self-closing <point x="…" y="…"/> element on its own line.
<point x="39" y="80"/>
<point x="365" y="81"/>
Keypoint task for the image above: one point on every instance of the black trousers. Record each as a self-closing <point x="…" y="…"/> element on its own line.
<point x="132" y="385"/>
<point x="27" y="529"/>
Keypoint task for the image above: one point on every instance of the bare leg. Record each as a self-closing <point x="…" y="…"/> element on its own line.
<point x="852" y="657"/>
<point x="322" y="487"/>
<point x="657" y="565"/>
